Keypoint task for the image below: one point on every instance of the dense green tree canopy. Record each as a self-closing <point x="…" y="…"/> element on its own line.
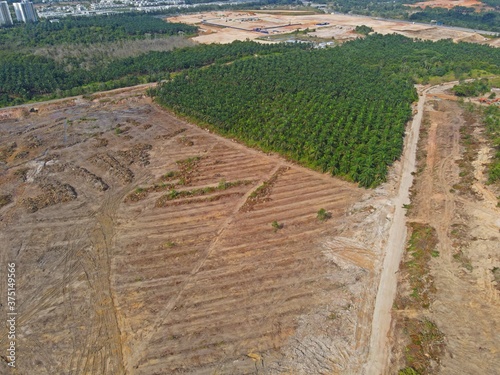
<point x="26" y="77"/>
<point x="341" y="110"/>
<point x="88" y="30"/>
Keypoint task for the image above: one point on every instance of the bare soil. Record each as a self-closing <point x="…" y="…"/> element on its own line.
<point x="449" y="4"/>
<point x="225" y="27"/>
<point x="462" y="209"/>
<point x="200" y="284"/>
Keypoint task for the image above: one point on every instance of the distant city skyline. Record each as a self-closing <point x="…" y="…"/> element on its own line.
<point x="5" y="17"/>
<point x="25" y="12"/>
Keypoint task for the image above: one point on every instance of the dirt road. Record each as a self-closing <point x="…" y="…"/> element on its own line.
<point x="459" y="295"/>
<point x="381" y="323"/>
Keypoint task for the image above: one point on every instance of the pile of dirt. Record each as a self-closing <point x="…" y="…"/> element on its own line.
<point x="171" y="135"/>
<point x="33" y="141"/>
<point x="53" y="192"/>
<point x="108" y="162"/>
<point x="101" y="142"/>
<point x="90" y="178"/>
<point x="138" y="154"/>
<point x="7" y="151"/>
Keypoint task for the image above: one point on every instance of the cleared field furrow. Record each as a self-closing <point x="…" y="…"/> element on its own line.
<point x="306" y="192"/>
<point x="188" y="285"/>
<point x="239" y="168"/>
<point x="179" y="212"/>
<point x="224" y="282"/>
<point x="196" y="315"/>
<point x="180" y="221"/>
<point x="166" y="230"/>
<point x="265" y="245"/>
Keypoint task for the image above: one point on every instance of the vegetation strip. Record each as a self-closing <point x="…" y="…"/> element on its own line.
<point x="262" y="193"/>
<point x="415" y="267"/>
<point x="426" y="342"/>
<point x="175" y="194"/>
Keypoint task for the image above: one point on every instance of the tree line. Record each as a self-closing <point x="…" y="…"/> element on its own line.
<point x="340" y="110"/>
<point x="28" y="77"/>
<point x="89" y="30"/>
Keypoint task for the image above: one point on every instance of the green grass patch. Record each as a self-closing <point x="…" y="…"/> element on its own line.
<point x="423" y="353"/>
<point x="420" y="249"/>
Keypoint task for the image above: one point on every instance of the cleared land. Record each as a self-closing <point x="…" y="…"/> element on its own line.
<point x="457" y="295"/>
<point x="448" y="4"/>
<point x="225" y="27"/>
<point x="145" y="245"/>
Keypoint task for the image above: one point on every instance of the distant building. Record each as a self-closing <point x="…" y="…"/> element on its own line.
<point x="5" y="17"/>
<point x="25" y="12"/>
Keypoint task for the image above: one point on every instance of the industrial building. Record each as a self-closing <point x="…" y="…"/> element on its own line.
<point x="5" y="17"/>
<point x="25" y="12"/>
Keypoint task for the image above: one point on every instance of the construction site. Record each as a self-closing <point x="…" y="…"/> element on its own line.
<point x="268" y="26"/>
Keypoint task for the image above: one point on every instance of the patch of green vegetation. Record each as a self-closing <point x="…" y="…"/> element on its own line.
<point x="420" y="250"/>
<point x="277" y="226"/>
<point x="408" y="371"/>
<point x="470" y="145"/>
<point x="473" y="88"/>
<point x="331" y="114"/>
<point x="89" y="30"/>
<point x="423" y="353"/>
<point x="491" y="118"/>
<point x="363" y="29"/>
<point x="170" y="175"/>
<point x="323" y="215"/>
<point x="463" y="259"/>
<point x="25" y="77"/>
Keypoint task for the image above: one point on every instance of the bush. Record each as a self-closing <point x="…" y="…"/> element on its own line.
<point x="277" y="226"/>
<point x="323" y="215"/>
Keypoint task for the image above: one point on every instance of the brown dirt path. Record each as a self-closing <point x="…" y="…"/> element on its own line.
<point x="466" y="305"/>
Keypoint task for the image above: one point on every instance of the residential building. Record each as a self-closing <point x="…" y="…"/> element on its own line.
<point x="25" y="12"/>
<point x="5" y="17"/>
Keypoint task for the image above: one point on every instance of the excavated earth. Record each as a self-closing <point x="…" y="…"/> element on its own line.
<point x="146" y="245"/>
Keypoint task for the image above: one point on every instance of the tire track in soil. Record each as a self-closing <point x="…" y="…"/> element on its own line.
<point x="106" y="336"/>
<point x="148" y="334"/>
<point x="70" y="264"/>
<point x="379" y="345"/>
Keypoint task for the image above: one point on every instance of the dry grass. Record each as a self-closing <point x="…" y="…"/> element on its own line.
<point x="95" y="54"/>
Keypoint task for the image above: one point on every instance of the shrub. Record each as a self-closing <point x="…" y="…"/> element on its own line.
<point x="323" y="215"/>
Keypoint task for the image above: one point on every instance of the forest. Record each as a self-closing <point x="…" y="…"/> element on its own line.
<point x="488" y="20"/>
<point x="29" y="77"/>
<point x="88" y="30"/>
<point x="474" y="88"/>
<point x="340" y="110"/>
<point x="491" y="118"/>
<point x="460" y="16"/>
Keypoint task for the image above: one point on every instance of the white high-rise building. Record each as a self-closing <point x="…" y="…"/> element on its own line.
<point x="5" y="17"/>
<point x="25" y="12"/>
